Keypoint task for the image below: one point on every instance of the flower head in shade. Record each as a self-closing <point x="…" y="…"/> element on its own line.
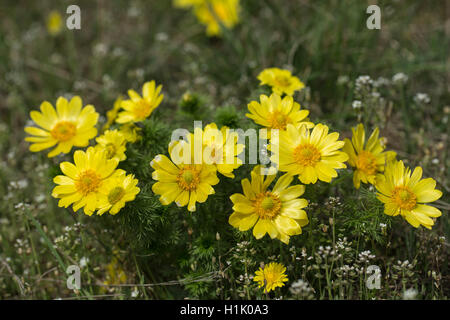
<point x="116" y="191"/>
<point x="113" y="143"/>
<point x="68" y="126"/>
<point x="312" y="155"/>
<point x="281" y="81"/>
<point x="139" y="108"/>
<point x="405" y="193"/>
<point x="271" y="276"/>
<point x="82" y="181"/>
<point x="368" y="159"/>
<point x="131" y="132"/>
<point x="182" y="182"/>
<point x="278" y="212"/>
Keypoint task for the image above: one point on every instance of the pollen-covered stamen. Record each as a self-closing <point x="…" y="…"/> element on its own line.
<point x="189" y="178"/>
<point x="267" y="205"/>
<point x="88" y="181"/>
<point x="115" y="195"/>
<point x="63" y="131"/>
<point x="306" y="155"/>
<point x="279" y="120"/>
<point x="404" y="198"/>
<point x="367" y="163"/>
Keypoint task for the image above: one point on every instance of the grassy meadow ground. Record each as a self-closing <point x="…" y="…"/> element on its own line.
<point x="149" y="251"/>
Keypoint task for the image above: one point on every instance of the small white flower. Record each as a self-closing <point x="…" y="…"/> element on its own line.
<point x="400" y="78"/>
<point x="410" y="294"/>
<point x="422" y="98"/>
<point x="83" y="262"/>
<point x="356" y="104"/>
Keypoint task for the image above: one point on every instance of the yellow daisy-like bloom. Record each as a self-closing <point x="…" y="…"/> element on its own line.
<point x="116" y="191"/>
<point x="310" y="155"/>
<point x="139" y="108"/>
<point x="54" y="23"/>
<point x="113" y="143"/>
<point x="185" y="184"/>
<point x="368" y="159"/>
<point x="70" y="125"/>
<point x="277" y="212"/>
<point x="405" y="194"/>
<point x="211" y="12"/>
<point x="131" y="132"/>
<point x="220" y="148"/>
<point x="281" y="81"/>
<point x="82" y="181"/>
<point x="111" y="115"/>
<point x="271" y="276"/>
<point x="276" y="113"/>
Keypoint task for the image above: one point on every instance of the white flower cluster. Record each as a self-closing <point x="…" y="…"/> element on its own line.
<point x="422" y="98"/>
<point x="400" y="78"/>
<point x="301" y="288"/>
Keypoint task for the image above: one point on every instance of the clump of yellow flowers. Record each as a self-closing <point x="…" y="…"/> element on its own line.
<point x="91" y="181"/>
<point x="213" y="13"/>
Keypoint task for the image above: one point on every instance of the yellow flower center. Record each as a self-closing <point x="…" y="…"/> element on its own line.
<point x="88" y="181"/>
<point x="367" y="163"/>
<point x="189" y="178"/>
<point x="404" y="198"/>
<point x="142" y="109"/>
<point x="115" y="195"/>
<point x="306" y="155"/>
<point x="282" y="81"/>
<point x="267" y="205"/>
<point x="63" y="131"/>
<point x="110" y="150"/>
<point x="279" y="120"/>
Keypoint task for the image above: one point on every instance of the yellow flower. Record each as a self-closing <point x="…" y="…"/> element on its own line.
<point x="115" y="274"/>
<point x="281" y="81"/>
<point x="54" y="23"/>
<point x="139" y="108"/>
<point x="111" y="115"/>
<point x="276" y="113"/>
<point x="277" y="212"/>
<point x="187" y="3"/>
<point x="310" y="155"/>
<point x="131" y="132"/>
<point x="368" y="160"/>
<point x="113" y="143"/>
<point x="116" y="191"/>
<point x="70" y="125"/>
<point x="183" y="183"/>
<point x="219" y="148"/>
<point x="82" y="181"/>
<point x="271" y="276"/>
<point x="210" y="13"/>
<point x="405" y="194"/>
